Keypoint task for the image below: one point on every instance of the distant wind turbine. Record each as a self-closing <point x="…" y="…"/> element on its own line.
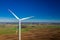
<point x="19" y="21"/>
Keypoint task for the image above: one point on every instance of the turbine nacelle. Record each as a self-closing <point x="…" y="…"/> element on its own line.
<point x="18" y="17"/>
<point x="26" y="18"/>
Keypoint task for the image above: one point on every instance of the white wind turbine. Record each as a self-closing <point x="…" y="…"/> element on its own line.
<point x="19" y="21"/>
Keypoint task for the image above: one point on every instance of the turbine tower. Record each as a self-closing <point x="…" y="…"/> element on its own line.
<point x="19" y="21"/>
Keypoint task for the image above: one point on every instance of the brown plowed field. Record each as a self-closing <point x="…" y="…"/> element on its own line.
<point x="42" y="34"/>
<point x="35" y="34"/>
<point x="9" y="37"/>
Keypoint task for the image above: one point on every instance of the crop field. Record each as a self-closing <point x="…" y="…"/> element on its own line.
<point x="30" y="32"/>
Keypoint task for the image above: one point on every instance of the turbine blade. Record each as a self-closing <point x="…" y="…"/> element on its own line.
<point x="26" y="18"/>
<point x="13" y="14"/>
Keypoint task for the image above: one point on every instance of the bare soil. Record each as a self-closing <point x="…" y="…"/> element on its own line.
<point x="9" y="37"/>
<point x="42" y="34"/>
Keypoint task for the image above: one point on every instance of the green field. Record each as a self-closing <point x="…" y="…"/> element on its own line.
<point x="31" y="28"/>
<point x="7" y="29"/>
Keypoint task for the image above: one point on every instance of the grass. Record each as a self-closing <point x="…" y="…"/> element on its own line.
<point x="7" y="30"/>
<point x="26" y="29"/>
<point x="38" y="27"/>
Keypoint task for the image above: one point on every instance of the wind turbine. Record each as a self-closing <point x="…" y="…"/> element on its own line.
<point x="19" y="21"/>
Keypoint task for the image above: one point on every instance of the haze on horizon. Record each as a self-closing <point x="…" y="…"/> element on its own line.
<point x="43" y="10"/>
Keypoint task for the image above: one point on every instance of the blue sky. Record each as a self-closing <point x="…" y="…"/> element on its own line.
<point x="43" y="10"/>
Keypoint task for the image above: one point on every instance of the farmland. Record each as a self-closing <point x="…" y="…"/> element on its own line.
<point x="30" y="32"/>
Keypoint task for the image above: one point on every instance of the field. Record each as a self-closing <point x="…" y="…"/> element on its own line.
<point x="8" y="32"/>
<point x="30" y="32"/>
